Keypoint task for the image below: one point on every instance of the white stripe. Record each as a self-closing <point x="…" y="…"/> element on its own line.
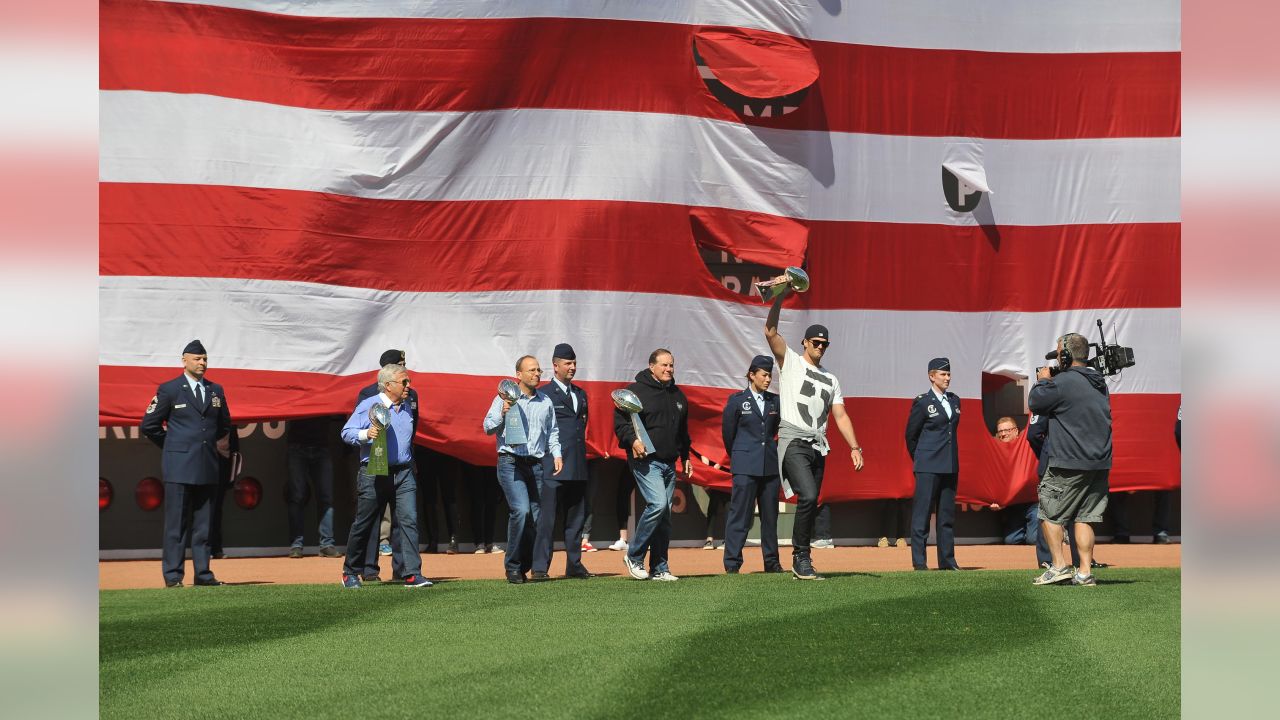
<point x="559" y="154"/>
<point x="988" y="25"/>
<point x="305" y="327"/>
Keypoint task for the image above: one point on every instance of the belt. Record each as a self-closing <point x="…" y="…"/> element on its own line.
<point x="527" y="459"/>
<point x="390" y="468"/>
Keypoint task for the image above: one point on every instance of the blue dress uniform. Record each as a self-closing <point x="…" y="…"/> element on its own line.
<point x="932" y="444"/>
<point x="187" y="430"/>
<point x="750" y="434"/>
<point x="569" y="488"/>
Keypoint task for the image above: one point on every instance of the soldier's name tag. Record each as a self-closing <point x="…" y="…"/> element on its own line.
<point x="179" y="407"/>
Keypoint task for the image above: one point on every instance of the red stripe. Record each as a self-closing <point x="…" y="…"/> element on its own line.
<point x="453" y="406"/>
<point x="184" y="231"/>
<point x="582" y="64"/>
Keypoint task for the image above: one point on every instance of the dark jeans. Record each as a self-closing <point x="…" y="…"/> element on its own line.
<point x="716" y="503"/>
<point x="622" y="501"/>
<point x="895" y="518"/>
<point x="1120" y="518"/>
<point x="215" y="517"/>
<point x="822" y="519"/>
<point x="804" y="468"/>
<point x="373" y="494"/>
<point x="571" y="498"/>
<point x="188" y="511"/>
<point x="519" y="479"/>
<point x="1021" y="524"/>
<point x="310" y="466"/>
<point x="482" y="495"/>
<point x="934" y="490"/>
<point x="748" y="492"/>
<point x="435" y="479"/>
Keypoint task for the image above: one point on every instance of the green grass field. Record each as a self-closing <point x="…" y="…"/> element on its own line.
<point x="909" y="645"/>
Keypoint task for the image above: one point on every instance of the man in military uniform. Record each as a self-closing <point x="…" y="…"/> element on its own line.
<point x="567" y="490"/>
<point x="749" y="429"/>
<point x="189" y="420"/>
<point x="935" y="457"/>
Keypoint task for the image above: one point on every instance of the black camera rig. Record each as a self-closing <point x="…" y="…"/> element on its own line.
<point x="1108" y="359"/>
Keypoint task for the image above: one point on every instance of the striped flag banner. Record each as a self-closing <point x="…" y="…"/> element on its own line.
<point x="303" y="185"/>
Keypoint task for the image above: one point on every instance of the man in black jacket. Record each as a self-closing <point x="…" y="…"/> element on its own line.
<point x="1073" y="489"/>
<point x="666" y="418"/>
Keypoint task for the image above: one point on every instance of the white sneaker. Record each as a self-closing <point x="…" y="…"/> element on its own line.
<point x="619" y="545"/>
<point x="636" y="569"/>
<point x="822" y="544"/>
<point x="664" y="577"/>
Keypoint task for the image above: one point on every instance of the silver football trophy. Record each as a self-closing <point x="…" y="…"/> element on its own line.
<point x="379" y="417"/>
<point x="627" y="402"/>
<point x="794" y="278"/>
<point x="513" y="428"/>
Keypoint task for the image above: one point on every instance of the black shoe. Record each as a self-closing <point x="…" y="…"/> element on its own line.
<point x="920" y="568"/>
<point x="580" y="574"/>
<point x="731" y="571"/>
<point x="774" y="569"/>
<point x="951" y="567"/>
<point x="329" y="551"/>
<point x="1096" y="564"/>
<point x="515" y="578"/>
<point x="295" y="552"/>
<point x="172" y="583"/>
<point x="802" y="569"/>
<point x="539" y="576"/>
<point x="209" y="583"/>
<point x="1120" y="540"/>
<point x="219" y="555"/>
<point x="453" y="546"/>
<point x="1161" y="539"/>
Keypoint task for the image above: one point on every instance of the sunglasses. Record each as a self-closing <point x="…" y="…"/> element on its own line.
<point x="820" y="344"/>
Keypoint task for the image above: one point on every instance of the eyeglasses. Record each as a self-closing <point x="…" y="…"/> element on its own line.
<point x="535" y="371"/>
<point x="1000" y="431"/>
<point x="404" y="382"/>
<point x="820" y="344"/>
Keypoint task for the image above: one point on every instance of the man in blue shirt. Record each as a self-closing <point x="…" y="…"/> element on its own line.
<point x="520" y="464"/>
<point x="397" y="487"/>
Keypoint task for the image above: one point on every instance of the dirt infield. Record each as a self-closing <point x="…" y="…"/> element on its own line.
<point x="128" y="574"/>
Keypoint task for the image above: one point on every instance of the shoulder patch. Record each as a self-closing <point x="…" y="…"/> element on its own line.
<point x="1034" y="419"/>
<point x="155" y="399"/>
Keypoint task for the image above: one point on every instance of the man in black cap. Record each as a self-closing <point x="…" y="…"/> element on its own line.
<point x="567" y="490"/>
<point x="935" y="458"/>
<point x="388" y="534"/>
<point x="808" y="395"/>
<point x="750" y="429"/>
<point x="189" y="420"/>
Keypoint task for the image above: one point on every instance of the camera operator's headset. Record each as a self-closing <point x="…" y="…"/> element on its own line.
<point x="1065" y="358"/>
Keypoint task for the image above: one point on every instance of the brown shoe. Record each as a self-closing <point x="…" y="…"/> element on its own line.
<point x="295" y="552"/>
<point x="330" y="552"/>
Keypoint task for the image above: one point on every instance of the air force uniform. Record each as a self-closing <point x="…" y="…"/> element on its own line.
<point x="569" y="488"/>
<point x="932" y="444"/>
<point x="750" y="432"/>
<point x="186" y="418"/>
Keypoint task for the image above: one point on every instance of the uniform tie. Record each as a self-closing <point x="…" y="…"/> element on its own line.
<point x="200" y="392"/>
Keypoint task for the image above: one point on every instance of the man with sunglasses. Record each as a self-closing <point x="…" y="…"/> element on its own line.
<point x="383" y="542"/>
<point x="808" y="395"/>
<point x="398" y="486"/>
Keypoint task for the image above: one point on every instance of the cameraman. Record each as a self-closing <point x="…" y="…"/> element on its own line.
<point x="1073" y="400"/>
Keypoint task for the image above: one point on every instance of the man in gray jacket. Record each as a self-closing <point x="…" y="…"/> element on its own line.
<point x="1075" y="404"/>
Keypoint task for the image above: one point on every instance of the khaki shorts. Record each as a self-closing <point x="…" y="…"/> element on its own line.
<point x="1073" y="495"/>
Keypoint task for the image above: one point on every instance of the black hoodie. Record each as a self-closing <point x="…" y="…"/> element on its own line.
<point x="1078" y="410"/>
<point x="665" y="417"/>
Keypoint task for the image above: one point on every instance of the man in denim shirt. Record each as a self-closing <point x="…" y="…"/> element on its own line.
<point x="520" y="464"/>
<point x="398" y="487"/>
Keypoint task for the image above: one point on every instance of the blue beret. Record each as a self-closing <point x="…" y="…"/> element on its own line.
<point x="564" y="351"/>
<point x="939" y="364"/>
<point x="195" y="347"/>
<point x="761" y="362"/>
<point x="391" y="357"/>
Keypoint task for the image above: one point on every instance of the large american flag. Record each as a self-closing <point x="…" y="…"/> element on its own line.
<point x="304" y="184"/>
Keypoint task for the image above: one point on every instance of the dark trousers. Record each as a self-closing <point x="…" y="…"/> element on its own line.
<point x="804" y="468"/>
<point x="622" y="501"/>
<point x="716" y="503"/>
<point x="822" y="521"/>
<point x="895" y="518"/>
<point x="519" y="478"/>
<point x="1118" y="503"/>
<point x="934" y="490"/>
<point x="188" y="514"/>
<point x="589" y="514"/>
<point x="310" y="466"/>
<point x="1021" y="524"/>
<point x="215" y="517"/>
<point x="373" y="494"/>
<point x="748" y="492"/>
<point x="436" y="480"/>
<point x="571" y="498"/>
<point x="482" y="495"/>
